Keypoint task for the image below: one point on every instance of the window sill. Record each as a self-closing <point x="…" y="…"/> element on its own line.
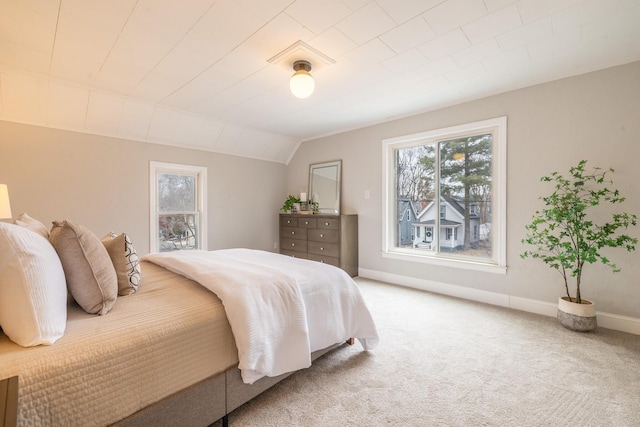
<point x="464" y="264"/>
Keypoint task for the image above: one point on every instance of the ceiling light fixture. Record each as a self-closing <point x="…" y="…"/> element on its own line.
<point x="301" y="82"/>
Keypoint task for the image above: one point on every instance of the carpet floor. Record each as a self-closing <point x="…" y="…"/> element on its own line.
<point x="444" y="361"/>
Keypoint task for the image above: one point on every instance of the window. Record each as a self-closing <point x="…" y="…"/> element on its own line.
<point x="458" y="173"/>
<point x="178" y="207"/>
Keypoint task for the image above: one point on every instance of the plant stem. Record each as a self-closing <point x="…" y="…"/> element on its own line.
<point x="566" y="282"/>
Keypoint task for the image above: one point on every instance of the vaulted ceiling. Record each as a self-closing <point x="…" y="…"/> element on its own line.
<point x="197" y="73"/>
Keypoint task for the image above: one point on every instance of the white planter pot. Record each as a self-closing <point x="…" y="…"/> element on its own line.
<point x="577" y="317"/>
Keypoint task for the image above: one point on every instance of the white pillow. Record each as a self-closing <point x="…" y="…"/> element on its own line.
<point x="33" y="291"/>
<point x="33" y="224"/>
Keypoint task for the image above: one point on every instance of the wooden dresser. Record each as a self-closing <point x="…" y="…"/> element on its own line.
<point x="332" y="239"/>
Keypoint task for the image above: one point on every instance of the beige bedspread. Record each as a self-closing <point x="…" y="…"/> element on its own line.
<point x="168" y="336"/>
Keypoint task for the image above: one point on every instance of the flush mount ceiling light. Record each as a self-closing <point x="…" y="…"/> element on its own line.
<point x="301" y="83"/>
<point x="291" y="56"/>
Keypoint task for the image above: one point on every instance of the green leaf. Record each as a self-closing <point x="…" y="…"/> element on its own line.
<point x="566" y="234"/>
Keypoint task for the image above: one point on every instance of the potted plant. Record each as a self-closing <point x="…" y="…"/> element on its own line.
<point x="289" y="203"/>
<point x="566" y="235"/>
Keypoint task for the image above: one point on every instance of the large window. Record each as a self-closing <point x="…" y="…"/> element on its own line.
<point x="454" y="179"/>
<point x="178" y="207"/>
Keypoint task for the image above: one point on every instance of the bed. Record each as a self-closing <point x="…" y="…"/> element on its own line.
<point x="175" y="352"/>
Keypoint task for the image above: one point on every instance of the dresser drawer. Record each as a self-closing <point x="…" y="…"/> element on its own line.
<point x="293" y="233"/>
<point x="293" y="245"/>
<point x="329" y="223"/>
<point x="325" y="259"/>
<point x="307" y="222"/>
<point x="322" y="248"/>
<point x="329" y="236"/>
<point x="294" y="254"/>
<point x="287" y="221"/>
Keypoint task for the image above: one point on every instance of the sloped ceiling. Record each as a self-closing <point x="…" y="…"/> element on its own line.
<point x="195" y="73"/>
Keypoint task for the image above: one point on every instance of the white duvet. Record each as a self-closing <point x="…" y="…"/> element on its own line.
<point x="280" y="308"/>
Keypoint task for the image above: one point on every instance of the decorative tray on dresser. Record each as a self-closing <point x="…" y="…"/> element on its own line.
<point x="332" y="239"/>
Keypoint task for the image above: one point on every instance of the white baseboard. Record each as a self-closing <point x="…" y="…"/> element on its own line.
<point x="605" y="320"/>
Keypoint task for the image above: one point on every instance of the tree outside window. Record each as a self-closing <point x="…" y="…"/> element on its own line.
<point x="178" y="201"/>
<point x="452" y="177"/>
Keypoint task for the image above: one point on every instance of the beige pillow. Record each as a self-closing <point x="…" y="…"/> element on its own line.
<point x="91" y="277"/>
<point x="32" y="224"/>
<point x="33" y="293"/>
<point x="125" y="261"/>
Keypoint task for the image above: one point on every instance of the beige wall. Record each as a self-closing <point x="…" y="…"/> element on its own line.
<point x="551" y="126"/>
<point x="103" y="183"/>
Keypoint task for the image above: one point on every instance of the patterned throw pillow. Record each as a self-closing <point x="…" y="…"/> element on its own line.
<point x="125" y="260"/>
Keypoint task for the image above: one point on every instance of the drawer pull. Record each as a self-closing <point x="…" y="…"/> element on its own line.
<point x="322" y="261"/>
<point x="293" y="244"/>
<point x="321" y="248"/>
<point x="326" y="223"/>
<point x="306" y="223"/>
<point x="288" y="221"/>
<point x="293" y="232"/>
<point x="321" y="235"/>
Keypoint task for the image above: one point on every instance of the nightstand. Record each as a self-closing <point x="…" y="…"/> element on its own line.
<point x="9" y="402"/>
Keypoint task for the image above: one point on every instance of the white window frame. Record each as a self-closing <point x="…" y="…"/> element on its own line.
<point x="496" y="264"/>
<point x="200" y="172"/>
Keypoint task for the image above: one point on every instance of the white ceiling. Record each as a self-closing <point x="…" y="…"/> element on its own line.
<point x="195" y="73"/>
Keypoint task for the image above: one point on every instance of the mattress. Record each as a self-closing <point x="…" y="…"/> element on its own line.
<point x="168" y="336"/>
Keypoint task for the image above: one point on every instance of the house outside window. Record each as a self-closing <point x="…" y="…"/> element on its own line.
<point x="460" y="174"/>
<point x="178" y="207"/>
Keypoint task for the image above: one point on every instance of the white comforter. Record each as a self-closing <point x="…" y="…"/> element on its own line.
<point x="280" y="308"/>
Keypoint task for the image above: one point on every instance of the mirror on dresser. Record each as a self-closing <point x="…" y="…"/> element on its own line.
<point x="324" y="186"/>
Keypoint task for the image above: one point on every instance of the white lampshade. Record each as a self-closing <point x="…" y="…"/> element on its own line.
<point x="301" y="82"/>
<point x="5" y="206"/>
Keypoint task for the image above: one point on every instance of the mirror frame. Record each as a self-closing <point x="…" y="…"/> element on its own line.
<point x="313" y="169"/>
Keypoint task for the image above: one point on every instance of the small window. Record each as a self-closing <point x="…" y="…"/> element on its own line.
<point x="178" y="207"/>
